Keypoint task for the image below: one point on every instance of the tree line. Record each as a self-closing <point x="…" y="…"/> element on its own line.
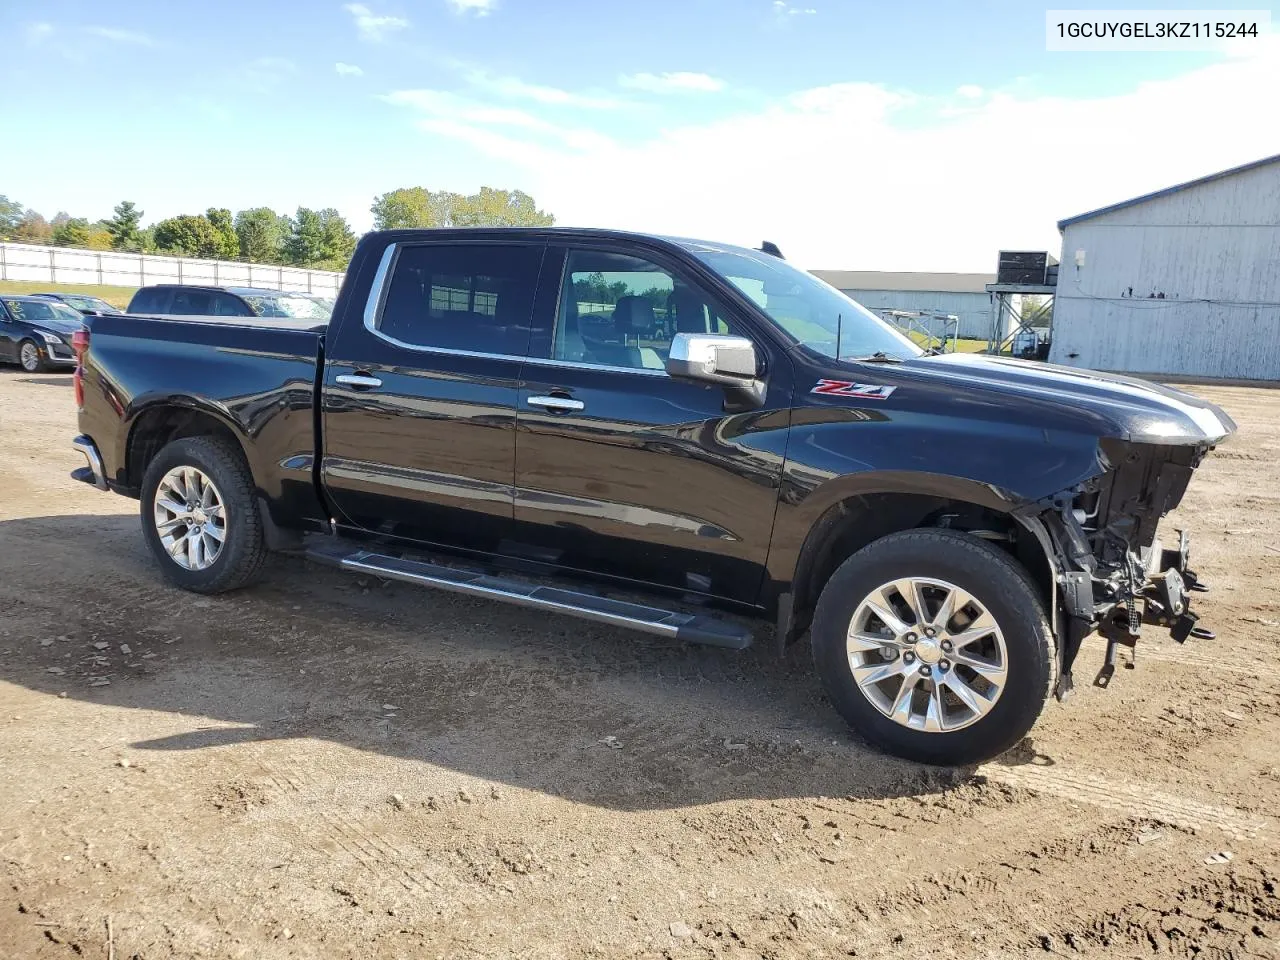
<point x="318" y="239"/>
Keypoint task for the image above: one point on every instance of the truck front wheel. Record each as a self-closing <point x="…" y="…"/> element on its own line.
<point x="200" y="517"/>
<point x="934" y="646"/>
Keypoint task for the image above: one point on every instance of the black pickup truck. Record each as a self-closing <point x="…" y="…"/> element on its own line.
<point x="680" y="437"/>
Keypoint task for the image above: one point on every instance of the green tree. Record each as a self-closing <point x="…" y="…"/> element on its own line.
<point x="188" y="235"/>
<point x="500" y="208"/>
<point x="321" y="239"/>
<point x="123" y="227"/>
<point x="72" y="232"/>
<point x="261" y="233"/>
<point x="11" y="214"/>
<point x="1037" y="311"/>
<point x="420" y="207"/>
<point x="228" y="243"/>
<point x="99" y="236"/>
<point x="413" y="207"/>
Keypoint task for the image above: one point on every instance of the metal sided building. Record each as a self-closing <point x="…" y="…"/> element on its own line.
<point x="1183" y="282"/>
<point x="963" y="295"/>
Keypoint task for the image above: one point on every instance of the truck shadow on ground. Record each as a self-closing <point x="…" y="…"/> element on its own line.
<point x="572" y="709"/>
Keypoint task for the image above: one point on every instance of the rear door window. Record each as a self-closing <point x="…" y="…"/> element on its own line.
<point x="225" y="305"/>
<point x="476" y="298"/>
<point x="195" y="302"/>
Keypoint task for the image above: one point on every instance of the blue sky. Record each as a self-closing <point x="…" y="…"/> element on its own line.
<point x="856" y="135"/>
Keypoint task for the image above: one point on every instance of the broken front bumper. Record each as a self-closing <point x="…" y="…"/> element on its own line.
<point x="1157" y="592"/>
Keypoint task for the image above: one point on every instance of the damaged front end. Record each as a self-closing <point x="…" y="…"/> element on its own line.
<point x="1114" y="574"/>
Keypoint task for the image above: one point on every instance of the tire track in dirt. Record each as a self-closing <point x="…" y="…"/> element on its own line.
<point x="1140" y="801"/>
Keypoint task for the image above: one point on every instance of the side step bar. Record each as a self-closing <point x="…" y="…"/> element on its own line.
<point x="587" y="606"/>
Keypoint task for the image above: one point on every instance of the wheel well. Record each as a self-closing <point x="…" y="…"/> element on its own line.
<point x="855" y="522"/>
<point x="160" y="426"/>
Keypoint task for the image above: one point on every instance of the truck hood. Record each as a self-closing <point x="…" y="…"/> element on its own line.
<point x="1124" y="407"/>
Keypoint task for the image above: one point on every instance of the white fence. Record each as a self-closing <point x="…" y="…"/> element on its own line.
<point x="21" y="261"/>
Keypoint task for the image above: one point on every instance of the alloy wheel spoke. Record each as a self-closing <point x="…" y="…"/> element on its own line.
<point x="912" y="591"/>
<point x="177" y="545"/>
<point x="872" y="673"/>
<point x="933" y="715"/>
<point x="860" y="641"/>
<point x="167" y="526"/>
<point x="901" y="708"/>
<point x="879" y="604"/>
<point x="954" y="601"/>
<point x="966" y="694"/>
<point x="991" y="672"/>
<point x="215" y="532"/>
<point x="177" y="509"/>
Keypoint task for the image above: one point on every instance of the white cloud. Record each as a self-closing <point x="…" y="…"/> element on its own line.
<point x="37" y="33"/>
<point x="549" y="96"/>
<point x="785" y="10"/>
<point x="117" y="35"/>
<point x="483" y="125"/>
<point x="857" y="176"/>
<point x="970" y="91"/>
<point x="374" y="27"/>
<point x="481" y="8"/>
<point x="678" y="82"/>
<point x="348" y="70"/>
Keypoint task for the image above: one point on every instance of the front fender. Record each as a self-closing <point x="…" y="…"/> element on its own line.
<point x="1004" y="468"/>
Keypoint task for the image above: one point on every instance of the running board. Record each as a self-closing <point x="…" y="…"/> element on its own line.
<point x="586" y="606"/>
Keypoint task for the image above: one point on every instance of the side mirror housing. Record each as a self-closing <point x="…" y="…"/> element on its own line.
<point x="726" y="361"/>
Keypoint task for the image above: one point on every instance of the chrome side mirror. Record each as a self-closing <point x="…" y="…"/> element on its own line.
<point x="726" y="361"/>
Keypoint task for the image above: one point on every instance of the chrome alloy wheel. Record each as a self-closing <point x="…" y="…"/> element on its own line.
<point x="190" y="518"/>
<point x="927" y="654"/>
<point x="29" y="356"/>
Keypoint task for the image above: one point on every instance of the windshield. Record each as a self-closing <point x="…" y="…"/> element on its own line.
<point x="88" y="303"/>
<point x="300" y="307"/>
<point x="46" y="313"/>
<point x="808" y="309"/>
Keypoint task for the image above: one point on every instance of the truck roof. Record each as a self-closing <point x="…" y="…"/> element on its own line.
<point x="560" y="233"/>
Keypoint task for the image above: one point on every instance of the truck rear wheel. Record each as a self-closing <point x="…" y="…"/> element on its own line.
<point x="934" y="646"/>
<point x="200" y="516"/>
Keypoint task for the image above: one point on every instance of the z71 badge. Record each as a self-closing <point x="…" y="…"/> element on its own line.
<point x="844" y="388"/>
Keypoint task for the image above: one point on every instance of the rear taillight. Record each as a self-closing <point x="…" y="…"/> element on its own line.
<point x="80" y="344"/>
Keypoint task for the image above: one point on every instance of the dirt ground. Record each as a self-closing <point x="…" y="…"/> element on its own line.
<point x="327" y="767"/>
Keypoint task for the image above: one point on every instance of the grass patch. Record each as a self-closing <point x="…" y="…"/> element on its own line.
<point x="116" y="296"/>
<point x="961" y="346"/>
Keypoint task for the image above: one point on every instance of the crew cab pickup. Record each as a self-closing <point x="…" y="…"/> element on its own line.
<point x="684" y="438"/>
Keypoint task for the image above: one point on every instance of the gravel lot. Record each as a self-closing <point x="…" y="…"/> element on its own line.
<point x="329" y="767"/>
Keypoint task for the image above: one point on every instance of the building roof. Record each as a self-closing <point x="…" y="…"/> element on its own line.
<point x="922" y="282"/>
<point x="1221" y="174"/>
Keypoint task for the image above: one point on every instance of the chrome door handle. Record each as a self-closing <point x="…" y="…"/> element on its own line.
<point x="361" y="381"/>
<point x="558" y="404"/>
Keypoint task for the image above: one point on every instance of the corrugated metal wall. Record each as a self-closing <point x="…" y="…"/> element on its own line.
<point x="973" y="309"/>
<point x="1212" y="250"/>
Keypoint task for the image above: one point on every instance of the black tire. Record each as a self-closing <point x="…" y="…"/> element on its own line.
<point x="40" y="365"/>
<point x="993" y="577"/>
<point x="240" y="560"/>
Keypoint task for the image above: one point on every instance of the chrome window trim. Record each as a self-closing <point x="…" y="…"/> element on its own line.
<point x="373" y="312"/>
<point x="373" y="306"/>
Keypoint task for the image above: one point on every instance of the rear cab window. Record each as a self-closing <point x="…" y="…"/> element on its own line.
<point x="472" y="298"/>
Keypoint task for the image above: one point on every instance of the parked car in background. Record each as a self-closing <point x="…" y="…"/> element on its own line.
<point x="636" y="430"/>
<point x="86" y="304"/>
<point x="36" y="333"/>
<point x="185" y="300"/>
